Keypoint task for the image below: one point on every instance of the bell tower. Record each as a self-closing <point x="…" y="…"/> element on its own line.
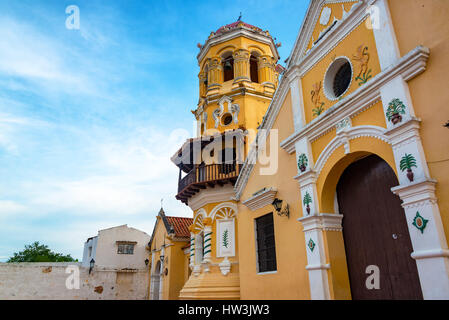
<point x="237" y="80"/>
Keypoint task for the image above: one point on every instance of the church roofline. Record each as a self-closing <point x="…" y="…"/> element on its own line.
<point x="241" y="30"/>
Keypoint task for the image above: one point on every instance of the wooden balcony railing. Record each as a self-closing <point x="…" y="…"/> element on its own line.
<point x="206" y="175"/>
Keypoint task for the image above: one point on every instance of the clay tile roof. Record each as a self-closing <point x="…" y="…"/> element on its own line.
<point x="236" y="24"/>
<point x="181" y="226"/>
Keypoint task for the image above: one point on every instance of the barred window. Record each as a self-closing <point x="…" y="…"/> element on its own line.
<point x="125" y="249"/>
<point x="342" y="79"/>
<point x="266" y="248"/>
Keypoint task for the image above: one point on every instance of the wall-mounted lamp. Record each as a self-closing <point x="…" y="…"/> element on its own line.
<point x="91" y="265"/>
<point x="277" y="204"/>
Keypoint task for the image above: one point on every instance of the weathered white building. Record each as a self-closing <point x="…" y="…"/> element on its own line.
<point x="119" y="271"/>
<point x="118" y="248"/>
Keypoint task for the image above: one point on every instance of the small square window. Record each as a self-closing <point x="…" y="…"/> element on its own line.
<point x="125" y="249"/>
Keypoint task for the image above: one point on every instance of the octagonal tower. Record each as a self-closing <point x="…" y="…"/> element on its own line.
<point x="237" y="79"/>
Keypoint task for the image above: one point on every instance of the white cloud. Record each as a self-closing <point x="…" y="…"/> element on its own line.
<point x="120" y="177"/>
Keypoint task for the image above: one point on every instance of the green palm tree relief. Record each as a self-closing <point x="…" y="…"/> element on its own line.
<point x="225" y="239"/>
<point x="408" y="161"/>
<point x="307" y="201"/>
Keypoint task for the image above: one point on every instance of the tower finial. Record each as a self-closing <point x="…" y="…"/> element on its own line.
<point x="240" y="17"/>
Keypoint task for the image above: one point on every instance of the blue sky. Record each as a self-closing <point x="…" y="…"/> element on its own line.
<point x="90" y="117"/>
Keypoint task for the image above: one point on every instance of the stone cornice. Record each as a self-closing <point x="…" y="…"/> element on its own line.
<point x="322" y="221"/>
<point x="217" y="194"/>
<point x="237" y="32"/>
<point x="409" y="66"/>
<point x="404" y="133"/>
<point x="416" y="194"/>
<point x="306" y="178"/>
<point x="261" y="199"/>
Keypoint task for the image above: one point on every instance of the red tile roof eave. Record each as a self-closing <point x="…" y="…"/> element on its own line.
<point x="181" y="226"/>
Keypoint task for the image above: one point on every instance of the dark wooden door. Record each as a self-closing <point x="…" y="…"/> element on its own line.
<point x="375" y="232"/>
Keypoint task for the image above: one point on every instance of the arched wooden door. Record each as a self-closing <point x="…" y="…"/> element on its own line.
<point x="375" y="232"/>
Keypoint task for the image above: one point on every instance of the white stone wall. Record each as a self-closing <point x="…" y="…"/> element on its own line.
<point x="106" y="255"/>
<point x="47" y="281"/>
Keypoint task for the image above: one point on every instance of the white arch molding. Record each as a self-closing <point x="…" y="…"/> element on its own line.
<point x="225" y="205"/>
<point x="343" y="137"/>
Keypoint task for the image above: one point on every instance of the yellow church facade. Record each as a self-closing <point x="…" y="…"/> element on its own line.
<point x="332" y="182"/>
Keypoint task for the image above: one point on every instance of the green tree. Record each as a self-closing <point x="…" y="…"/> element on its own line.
<point x="36" y="252"/>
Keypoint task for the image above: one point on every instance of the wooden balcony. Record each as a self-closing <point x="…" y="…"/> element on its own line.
<point x="201" y="177"/>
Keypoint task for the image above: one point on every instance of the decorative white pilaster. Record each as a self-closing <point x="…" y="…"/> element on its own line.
<point x="161" y="277"/>
<point x="207" y="244"/>
<point x="428" y="238"/>
<point x="417" y="192"/>
<point x="309" y="195"/>
<point x="192" y="250"/>
<point x="198" y="254"/>
<point x="388" y="50"/>
<point x="297" y="101"/>
<point x="317" y="265"/>
<point x="152" y="276"/>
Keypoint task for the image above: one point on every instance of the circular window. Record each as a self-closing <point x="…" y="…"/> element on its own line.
<point x="338" y="78"/>
<point x="226" y="119"/>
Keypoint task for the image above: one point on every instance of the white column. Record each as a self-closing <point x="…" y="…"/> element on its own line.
<point x="152" y="275"/>
<point x="297" y="101"/>
<point x="384" y="35"/>
<point x="207" y="247"/>
<point x="192" y="250"/>
<point x="313" y="225"/>
<point x="428" y="238"/>
<point x="161" y="278"/>
<point x="317" y="265"/>
<point x="198" y="255"/>
<point x="207" y="243"/>
<point x="422" y="213"/>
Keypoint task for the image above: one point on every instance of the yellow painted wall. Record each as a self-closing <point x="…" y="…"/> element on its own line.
<point x="288" y="282"/>
<point x="426" y="23"/>
<point x="373" y="116"/>
<point x="174" y="281"/>
<point x="252" y="109"/>
<point x="347" y="47"/>
<point x="176" y="269"/>
<point x="319" y="144"/>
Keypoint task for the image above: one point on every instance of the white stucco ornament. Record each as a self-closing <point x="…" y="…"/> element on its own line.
<point x="325" y="15"/>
